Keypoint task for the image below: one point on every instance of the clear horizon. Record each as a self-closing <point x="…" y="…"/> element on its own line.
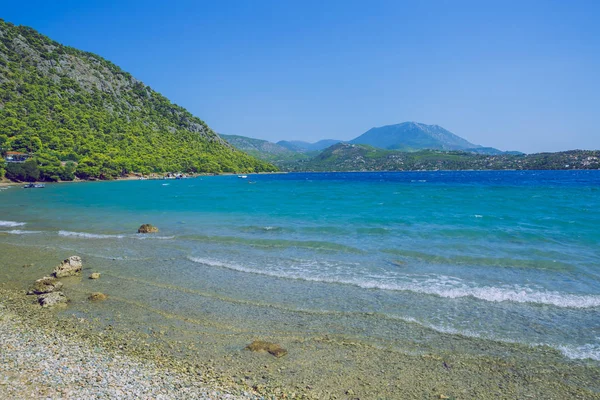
<point x="515" y="76"/>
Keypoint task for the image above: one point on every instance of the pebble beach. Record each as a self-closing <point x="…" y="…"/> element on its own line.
<point x="43" y="362"/>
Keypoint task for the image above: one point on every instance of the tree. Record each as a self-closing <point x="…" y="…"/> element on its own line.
<point x="31" y="170"/>
<point x="67" y="173"/>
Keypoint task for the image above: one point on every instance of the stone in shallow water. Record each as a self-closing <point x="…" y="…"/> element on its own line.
<point x="271" y="348"/>
<point x="147" y="228"/>
<point x="70" y="266"/>
<point x="46" y="285"/>
<point x="95" y="275"/>
<point x="52" y="299"/>
<point x="97" y="296"/>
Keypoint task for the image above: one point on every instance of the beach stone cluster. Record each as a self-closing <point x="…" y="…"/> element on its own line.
<point x="49" y="288"/>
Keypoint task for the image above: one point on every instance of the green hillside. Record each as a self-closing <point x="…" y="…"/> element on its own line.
<point x="79" y="114"/>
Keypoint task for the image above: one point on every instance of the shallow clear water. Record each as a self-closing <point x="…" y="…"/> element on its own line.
<point x="508" y="256"/>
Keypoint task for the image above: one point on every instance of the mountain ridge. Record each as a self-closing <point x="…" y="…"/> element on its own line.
<point x="302" y="146"/>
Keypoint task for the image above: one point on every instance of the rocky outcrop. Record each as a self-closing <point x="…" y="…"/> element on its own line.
<point x="52" y="299"/>
<point x="147" y="228"/>
<point x="70" y="266"/>
<point x="97" y="296"/>
<point x="95" y="275"/>
<point x="271" y="348"/>
<point x="45" y="285"/>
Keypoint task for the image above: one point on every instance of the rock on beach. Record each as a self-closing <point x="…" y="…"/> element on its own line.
<point x="95" y="275"/>
<point x="272" y="348"/>
<point x="46" y="284"/>
<point x="97" y="296"/>
<point x="70" y="266"/>
<point x="52" y="299"/>
<point x="147" y="228"/>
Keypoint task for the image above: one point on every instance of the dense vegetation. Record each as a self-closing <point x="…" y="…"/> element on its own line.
<point x="350" y="157"/>
<point x="80" y="115"/>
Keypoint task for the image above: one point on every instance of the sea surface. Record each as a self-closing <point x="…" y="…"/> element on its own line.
<point x="387" y="258"/>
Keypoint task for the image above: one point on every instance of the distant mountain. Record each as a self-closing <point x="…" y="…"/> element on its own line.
<point x="413" y="136"/>
<point x="247" y="144"/>
<point x="265" y="150"/>
<point x="302" y="147"/>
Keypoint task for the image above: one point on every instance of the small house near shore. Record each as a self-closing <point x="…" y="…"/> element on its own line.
<point x="16" y="157"/>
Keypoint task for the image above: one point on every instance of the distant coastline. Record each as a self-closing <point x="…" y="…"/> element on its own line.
<point x="5" y="182"/>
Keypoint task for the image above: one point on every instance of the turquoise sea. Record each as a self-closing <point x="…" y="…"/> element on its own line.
<point x="380" y="257"/>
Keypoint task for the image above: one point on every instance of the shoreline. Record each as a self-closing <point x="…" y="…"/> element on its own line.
<point x="4" y="182"/>
<point x="372" y="372"/>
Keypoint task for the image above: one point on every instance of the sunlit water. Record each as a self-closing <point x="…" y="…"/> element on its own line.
<point x="506" y="256"/>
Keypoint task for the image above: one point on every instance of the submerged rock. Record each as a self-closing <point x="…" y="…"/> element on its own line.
<point x="271" y="348"/>
<point x="70" y="266"/>
<point x="52" y="299"/>
<point x="147" y="228"/>
<point x="97" y="296"/>
<point x="95" y="275"/>
<point x="45" y="285"/>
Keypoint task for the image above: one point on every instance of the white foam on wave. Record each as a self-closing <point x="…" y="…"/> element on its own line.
<point x="86" y="235"/>
<point x="89" y="235"/>
<point x="438" y="285"/>
<point x="586" y="351"/>
<point x="144" y="237"/>
<point x="11" y="224"/>
<point x="21" y="232"/>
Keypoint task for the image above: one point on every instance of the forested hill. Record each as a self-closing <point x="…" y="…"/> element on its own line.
<point x="358" y="157"/>
<point x="78" y="113"/>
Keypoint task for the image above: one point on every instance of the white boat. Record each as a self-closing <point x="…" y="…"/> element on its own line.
<point x="242" y="176"/>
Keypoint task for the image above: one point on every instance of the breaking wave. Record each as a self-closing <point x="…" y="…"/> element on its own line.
<point x="11" y="224"/>
<point x="438" y="285"/>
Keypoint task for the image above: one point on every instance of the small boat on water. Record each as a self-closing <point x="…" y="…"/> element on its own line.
<point x="242" y="176"/>
<point x="34" y="186"/>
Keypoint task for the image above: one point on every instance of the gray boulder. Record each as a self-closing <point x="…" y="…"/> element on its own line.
<point x="70" y="266"/>
<point x="52" y="299"/>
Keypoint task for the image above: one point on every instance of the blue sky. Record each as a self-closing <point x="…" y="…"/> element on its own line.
<point x="521" y="75"/>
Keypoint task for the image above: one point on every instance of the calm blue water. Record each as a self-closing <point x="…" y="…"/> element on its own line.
<point x="505" y="256"/>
